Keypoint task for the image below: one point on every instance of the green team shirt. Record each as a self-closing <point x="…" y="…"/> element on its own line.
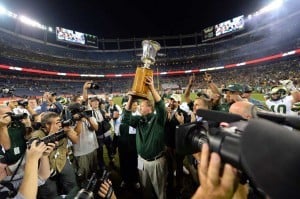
<point x="224" y="107"/>
<point x="149" y="130"/>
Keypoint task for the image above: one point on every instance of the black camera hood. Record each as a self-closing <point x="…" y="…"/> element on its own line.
<point x="218" y="116"/>
<point x="269" y="155"/>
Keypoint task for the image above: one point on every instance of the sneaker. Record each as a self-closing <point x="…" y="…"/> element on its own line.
<point x="185" y="170"/>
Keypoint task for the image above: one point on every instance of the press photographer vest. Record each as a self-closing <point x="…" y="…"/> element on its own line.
<point x="57" y="157"/>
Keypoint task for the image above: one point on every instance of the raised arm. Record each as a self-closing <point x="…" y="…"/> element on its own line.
<point x="150" y="83"/>
<point x="208" y="78"/>
<point x="29" y="186"/>
<point x="187" y="91"/>
<point x="85" y="88"/>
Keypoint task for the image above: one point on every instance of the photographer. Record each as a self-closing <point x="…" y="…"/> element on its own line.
<point x="104" y="189"/>
<point x="63" y="175"/>
<point x="36" y="172"/>
<point x="104" y="127"/>
<point x="50" y="104"/>
<point x="15" y="129"/>
<point x="175" y="116"/>
<point x="85" y="151"/>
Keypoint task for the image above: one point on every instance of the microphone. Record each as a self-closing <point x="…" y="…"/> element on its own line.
<point x="218" y="116"/>
<point x="292" y="121"/>
<point x="270" y="157"/>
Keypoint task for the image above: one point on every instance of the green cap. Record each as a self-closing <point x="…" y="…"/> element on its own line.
<point x="234" y="88"/>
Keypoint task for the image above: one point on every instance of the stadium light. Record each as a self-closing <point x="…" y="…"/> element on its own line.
<point x="50" y="29"/>
<point x="2" y="10"/>
<point x="31" y="22"/>
<point x="272" y="6"/>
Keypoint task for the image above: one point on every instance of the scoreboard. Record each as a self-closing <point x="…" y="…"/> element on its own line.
<point x="224" y="28"/>
<point x="77" y="38"/>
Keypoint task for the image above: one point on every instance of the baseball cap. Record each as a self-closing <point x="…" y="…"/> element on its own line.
<point x="176" y="97"/>
<point x="234" y="88"/>
<point x="247" y="88"/>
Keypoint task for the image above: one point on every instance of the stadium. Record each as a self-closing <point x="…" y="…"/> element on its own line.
<point x="260" y="49"/>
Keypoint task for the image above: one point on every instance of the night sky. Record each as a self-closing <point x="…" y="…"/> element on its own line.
<point x="127" y="19"/>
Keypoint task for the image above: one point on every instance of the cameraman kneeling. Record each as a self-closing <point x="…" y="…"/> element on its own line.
<point x="63" y="175"/>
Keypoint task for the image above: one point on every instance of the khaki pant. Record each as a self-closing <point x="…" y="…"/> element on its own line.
<point x="154" y="175"/>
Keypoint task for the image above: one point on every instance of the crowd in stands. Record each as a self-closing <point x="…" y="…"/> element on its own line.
<point x="264" y="40"/>
<point x="260" y="76"/>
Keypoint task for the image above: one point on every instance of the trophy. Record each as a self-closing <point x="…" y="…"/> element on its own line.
<point x="139" y="88"/>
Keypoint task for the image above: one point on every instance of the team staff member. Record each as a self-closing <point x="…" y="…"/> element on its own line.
<point x="150" y="141"/>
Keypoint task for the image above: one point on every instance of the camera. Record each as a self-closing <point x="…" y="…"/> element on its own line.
<point x="190" y="138"/>
<point x="76" y="108"/>
<point x="17" y="117"/>
<point x="48" y="139"/>
<point x="68" y="122"/>
<point x="23" y="103"/>
<point x="94" y="86"/>
<point x="262" y="148"/>
<point x="93" y="185"/>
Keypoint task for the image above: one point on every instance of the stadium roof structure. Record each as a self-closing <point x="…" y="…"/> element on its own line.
<point x="127" y="19"/>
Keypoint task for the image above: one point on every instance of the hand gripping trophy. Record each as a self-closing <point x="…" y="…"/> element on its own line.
<point x="139" y="88"/>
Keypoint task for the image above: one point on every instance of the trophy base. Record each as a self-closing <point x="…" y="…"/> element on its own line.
<point x="138" y="95"/>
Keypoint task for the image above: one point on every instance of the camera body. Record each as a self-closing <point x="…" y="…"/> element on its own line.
<point x="23" y="103"/>
<point x="68" y="122"/>
<point x="80" y="110"/>
<point x="93" y="185"/>
<point x="94" y="86"/>
<point x="190" y="138"/>
<point x="17" y="117"/>
<point x="48" y="139"/>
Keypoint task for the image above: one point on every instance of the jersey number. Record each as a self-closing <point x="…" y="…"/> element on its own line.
<point x="280" y="109"/>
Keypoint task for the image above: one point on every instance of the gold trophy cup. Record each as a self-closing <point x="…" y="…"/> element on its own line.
<point x="139" y="88"/>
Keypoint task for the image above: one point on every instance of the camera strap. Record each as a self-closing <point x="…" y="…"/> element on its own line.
<point x="8" y="184"/>
<point x="16" y="170"/>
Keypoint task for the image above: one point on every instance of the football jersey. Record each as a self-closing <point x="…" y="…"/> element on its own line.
<point x="282" y="106"/>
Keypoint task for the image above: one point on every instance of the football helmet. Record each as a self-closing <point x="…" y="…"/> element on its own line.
<point x="278" y="92"/>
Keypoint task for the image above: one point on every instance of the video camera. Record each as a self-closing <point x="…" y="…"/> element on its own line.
<point x="48" y="139"/>
<point x="93" y="185"/>
<point x="263" y="151"/>
<point x="17" y="117"/>
<point x="76" y="108"/>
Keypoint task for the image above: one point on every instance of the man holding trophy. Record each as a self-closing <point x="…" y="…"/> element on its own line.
<point x="149" y="126"/>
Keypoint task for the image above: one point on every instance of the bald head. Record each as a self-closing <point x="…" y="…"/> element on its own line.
<point x="242" y="108"/>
